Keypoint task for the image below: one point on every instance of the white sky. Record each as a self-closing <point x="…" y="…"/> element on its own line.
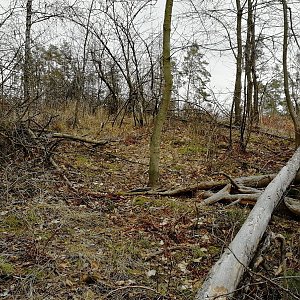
<point x="221" y="66"/>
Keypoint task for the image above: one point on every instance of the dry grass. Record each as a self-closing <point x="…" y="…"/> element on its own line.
<point x="97" y="243"/>
<point x="278" y="124"/>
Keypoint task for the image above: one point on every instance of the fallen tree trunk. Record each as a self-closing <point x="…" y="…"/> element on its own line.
<point x="293" y="205"/>
<point x="259" y="181"/>
<point x="241" y="198"/>
<point x="78" y="138"/>
<point x="225" y="276"/>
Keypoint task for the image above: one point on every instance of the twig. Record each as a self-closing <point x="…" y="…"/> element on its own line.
<point x="78" y="138"/>
<point x="173" y="248"/>
<point x="131" y="287"/>
<point x="52" y="161"/>
<point x="233" y="182"/>
<point x="219" y="195"/>
<point x="266" y="278"/>
<point x="124" y="159"/>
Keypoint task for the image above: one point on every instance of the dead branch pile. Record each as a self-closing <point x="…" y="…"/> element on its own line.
<point x="225" y="276"/>
<point x="243" y="190"/>
<point x="25" y="143"/>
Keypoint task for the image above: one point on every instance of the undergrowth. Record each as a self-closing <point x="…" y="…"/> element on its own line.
<point x="99" y="243"/>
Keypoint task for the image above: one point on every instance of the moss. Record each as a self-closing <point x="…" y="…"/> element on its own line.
<point x="237" y="216"/>
<point x="212" y="250"/>
<point x="129" y="249"/>
<point x="75" y="248"/>
<point x="37" y="273"/>
<point x="135" y="272"/>
<point x="82" y="160"/>
<point x="140" y="200"/>
<point x="199" y="252"/>
<point x="144" y="243"/>
<point x="6" y="268"/>
<point x="177" y="167"/>
<point x="192" y="149"/>
<point x="14" y="223"/>
<point x="293" y="281"/>
<point x="174" y="204"/>
<point x="186" y="292"/>
<point x="111" y="167"/>
<point x="32" y="217"/>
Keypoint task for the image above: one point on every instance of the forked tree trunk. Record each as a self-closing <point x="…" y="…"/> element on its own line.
<point x="225" y="275"/>
<point x="166" y="98"/>
<point x="246" y="122"/>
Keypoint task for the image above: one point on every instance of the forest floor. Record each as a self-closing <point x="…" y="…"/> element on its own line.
<point x="98" y="242"/>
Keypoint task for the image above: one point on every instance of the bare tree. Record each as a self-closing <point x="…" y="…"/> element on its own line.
<point x="27" y="55"/>
<point x="162" y="113"/>
<point x="246" y="124"/>
<point x="80" y="74"/>
<point x="237" y="96"/>
<point x="293" y="109"/>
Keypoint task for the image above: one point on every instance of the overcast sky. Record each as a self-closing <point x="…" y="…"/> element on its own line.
<point x="220" y="66"/>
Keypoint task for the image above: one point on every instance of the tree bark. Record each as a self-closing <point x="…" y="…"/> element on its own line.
<point x="78" y="138"/>
<point x="292" y="110"/>
<point x="224" y="277"/>
<point x="27" y="55"/>
<point x="246" y="122"/>
<point x="166" y="98"/>
<point x="237" y="97"/>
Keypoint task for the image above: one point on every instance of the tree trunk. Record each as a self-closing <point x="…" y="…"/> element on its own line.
<point x="246" y="125"/>
<point x="292" y="110"/>
<point x="166" y="98"/>
<point x="27" y="55"/>
<point x="237" y="97"/>
<point x="81" y="73"/>
<point x="224" y="277"/>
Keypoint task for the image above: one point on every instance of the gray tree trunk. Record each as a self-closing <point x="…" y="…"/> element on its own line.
<point x="237" y="97"/>
<point x="225" y="275"/>
<point x="292" y="110"/>
<point x="27" y="55"/>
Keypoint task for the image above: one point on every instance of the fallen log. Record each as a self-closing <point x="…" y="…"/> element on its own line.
<point x="256" y="182"/>
<point x="204" y="185"/>
<point x="293" y="205"/>
<point x="78" y="138"/>
<point x="241" y="198"/>
<point x="219" y="195"/>
<point x="225" y="275"/>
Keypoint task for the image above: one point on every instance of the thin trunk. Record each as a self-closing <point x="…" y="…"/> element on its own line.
<point x="289" y="103"/>
<point x="166" y="98"/>
<point x="255" y="113"/>
<point x="81" y="74"/>
<point x="246" y="125"/>
<point x="27" y="55"/>
<point x="238" y="77"/>
<point x="255" y="98"/>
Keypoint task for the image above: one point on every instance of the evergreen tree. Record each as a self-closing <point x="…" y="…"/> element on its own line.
<point x="196" y="77"/>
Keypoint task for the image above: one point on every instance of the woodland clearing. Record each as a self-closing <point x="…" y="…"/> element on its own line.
<point x="96" y="241"/>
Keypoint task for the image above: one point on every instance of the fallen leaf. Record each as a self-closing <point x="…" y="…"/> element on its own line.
<point x="151" y="273"/>
<point x="69" y="283"/>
